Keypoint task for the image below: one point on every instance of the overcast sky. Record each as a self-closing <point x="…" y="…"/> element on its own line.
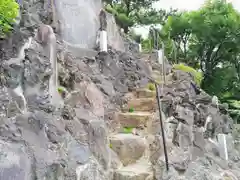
<point x="182" y="5"/>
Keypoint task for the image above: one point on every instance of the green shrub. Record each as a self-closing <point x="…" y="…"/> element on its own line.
<point x="234" y="103"/>
<point x="110" y="10"/>
<point x="151" y="87"/>
<point x="9" y="10"/>
<point x="198" y="77"/>
<point x="234" y="110"/>
<point x="127" y="130"/>
<point x="131" y="110"/>
<point x="61" y="89"/>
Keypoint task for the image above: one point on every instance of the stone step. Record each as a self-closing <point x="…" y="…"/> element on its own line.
<point x="145" y="93"/>
<point x="158" y="77"/>
<point x="134" y="119"/>
<point x="138" y="171"/>
<point x="128" y="147"/>
<point x="141" y="104"/>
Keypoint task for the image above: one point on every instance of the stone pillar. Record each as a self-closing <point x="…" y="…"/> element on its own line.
<point x="222" y="146"/>
<point x="41" y="73"/>
<point x="160" y="56"/>
<point x="103" y="41"/>
<point x="215" y="100"/>
<point x="207" y="123"/>
<point x="140" y="47"/>
<point x="103" y="31"/>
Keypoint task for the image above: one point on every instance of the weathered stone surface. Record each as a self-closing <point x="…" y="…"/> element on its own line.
<point x="155" y="148"/>
<point x="145" y="93"/>
<point x="115" y="161"/>
<point x="76" y="129"/>
<point x="185" y="135"/>
<point x="90" y="171"/>
<point x="134" y="119"/>
<point x="184" y="115"/>
<point x="95" y="98"/>
<point x="179" y="159"/>
<point x="136" y="171"/>
<point x="15" y="162"/>
<point x="128" y="147"/>
<point x="72" y="143"/>
<point x="141" y="104"/>
<point x="160" y="78"/>
<point x="96" y="130"/>
<point x="198" y="148"/>
<point x="90" y="96"/>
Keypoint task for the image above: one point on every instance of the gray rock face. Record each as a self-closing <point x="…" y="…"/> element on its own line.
<point x="84" y="32"/>
<point x="196" y="119"/>
<point x="15" y="162"/>
<point x="37" y="66"/>
<point x="46" y="142"/>
<point x="114" y="38"/>
<point x="191" y="109"/>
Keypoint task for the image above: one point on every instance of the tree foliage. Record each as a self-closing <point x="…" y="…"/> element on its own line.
<point x="8" y="13"/>
<point x="207" y="39"/>
<point x="196" y="75"/>
<point x="135" y="12"/>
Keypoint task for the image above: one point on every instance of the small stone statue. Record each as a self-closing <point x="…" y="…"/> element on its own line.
<point x="43" y="33"/>
<point x="208" y="127"/>
<point x="215" y="101"/>
<point x="103" y="20"/>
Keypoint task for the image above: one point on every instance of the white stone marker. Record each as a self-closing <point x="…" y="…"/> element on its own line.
<point x="140" y="47"/>
<point x="160" y="56"/>
<point x="215" y="100"/>
<point x="103" y="41"/>
<point x="222" y="146"/>
<point x="208" y="120"/>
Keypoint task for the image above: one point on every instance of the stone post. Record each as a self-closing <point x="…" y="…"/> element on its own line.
<point x="103" y="41"/>
<point x="140" y="47"/>
<point x="160" y="56"/>
<point x="103" y="31"/>
<point x="215" y="101"/>
<point x="222" y="146"/>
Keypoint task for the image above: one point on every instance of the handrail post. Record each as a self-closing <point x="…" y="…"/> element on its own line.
<point x="162" y="129"/>
<point x="163" y="64"/>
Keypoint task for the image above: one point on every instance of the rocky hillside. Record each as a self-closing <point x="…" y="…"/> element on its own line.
<point x="65" y="108"/>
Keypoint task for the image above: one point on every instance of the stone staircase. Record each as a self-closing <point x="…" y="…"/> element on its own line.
<point x="131" y="146"/>
<point x="132" y="143"/>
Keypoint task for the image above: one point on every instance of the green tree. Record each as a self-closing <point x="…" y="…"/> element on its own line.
<point x="209" y="39"/>
<point x="215" y="37"/>
<point x="178" y="29"/>
<point x="208" y="36"/>
<point x="8" y="12"/>
<point x="131" y="12"/>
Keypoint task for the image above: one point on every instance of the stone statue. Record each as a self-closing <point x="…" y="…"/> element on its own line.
<point x="103" y="20"/>
<point x="43" y="34"/>
<point x="42" y="64"/>
<point x="215" y="100"/>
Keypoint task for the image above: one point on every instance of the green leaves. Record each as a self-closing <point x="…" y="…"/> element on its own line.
<point x="132" y="12"/>
<point x="197" y="75"/>
<point x="8" y="12"/>
<point x="209" y="39"/>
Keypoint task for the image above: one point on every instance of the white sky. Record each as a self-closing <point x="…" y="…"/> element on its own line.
<point x="181" y="5"/>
